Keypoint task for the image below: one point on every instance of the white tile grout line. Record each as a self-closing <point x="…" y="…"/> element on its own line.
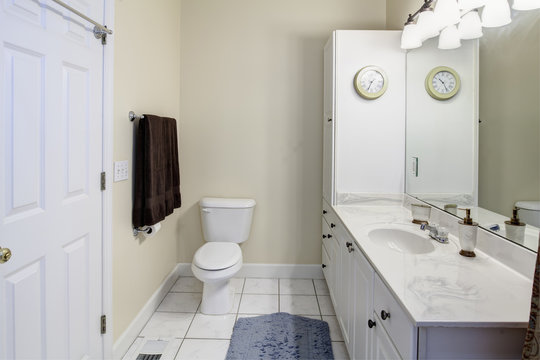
<point x="317" y="297"/>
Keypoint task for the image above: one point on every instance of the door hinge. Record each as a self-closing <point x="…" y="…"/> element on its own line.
<point x="103" y="324"/>
<point x="103" y="181"/>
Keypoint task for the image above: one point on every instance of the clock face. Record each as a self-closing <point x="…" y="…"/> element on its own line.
<point x="442" y="83"/>
<point x="370" y="82"/>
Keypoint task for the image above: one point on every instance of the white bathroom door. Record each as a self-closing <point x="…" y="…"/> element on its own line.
<point x="51" y="74"/>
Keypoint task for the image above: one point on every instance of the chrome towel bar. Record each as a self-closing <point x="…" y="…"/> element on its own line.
<point x="133" y="116"/>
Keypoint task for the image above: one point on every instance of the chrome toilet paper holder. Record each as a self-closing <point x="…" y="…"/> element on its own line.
<point x="145" y="229"/>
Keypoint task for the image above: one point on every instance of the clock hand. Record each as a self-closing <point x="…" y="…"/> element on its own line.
<point x="369" y="87"/>
<point x="442" y="82"/>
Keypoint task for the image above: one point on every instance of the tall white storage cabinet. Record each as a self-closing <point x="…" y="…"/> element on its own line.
<point x="364" y="140"/>
<point x="363" y="153"/>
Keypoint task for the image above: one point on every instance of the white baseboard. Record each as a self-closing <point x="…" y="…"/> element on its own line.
<point x="291" y="271"/>
<point x="287" y="271"/>
<point x="123" y="343"/>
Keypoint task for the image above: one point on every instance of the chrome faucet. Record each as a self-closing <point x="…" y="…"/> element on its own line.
<point x="436" y="232"/>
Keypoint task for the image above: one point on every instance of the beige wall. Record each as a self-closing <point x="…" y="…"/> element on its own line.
<point x="146" y="79"/>
<point x="251" y="115"/>
<point x="397" y="11"/>
<point x="509" y="153"/>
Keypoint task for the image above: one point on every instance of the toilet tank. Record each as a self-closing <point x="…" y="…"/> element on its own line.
<point x="226" y="220"/>
<point x="529" y="212"/>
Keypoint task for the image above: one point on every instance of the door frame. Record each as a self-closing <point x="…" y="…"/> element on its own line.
<point x="107" y="167"/>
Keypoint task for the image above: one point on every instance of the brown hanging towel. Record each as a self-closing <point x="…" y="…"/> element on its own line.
<point x="157" y="175"/>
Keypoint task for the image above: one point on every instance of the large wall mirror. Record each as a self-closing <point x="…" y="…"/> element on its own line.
<point x="481" y="148"/>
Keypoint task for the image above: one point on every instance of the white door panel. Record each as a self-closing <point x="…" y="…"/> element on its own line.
<point x="51" y="71"/>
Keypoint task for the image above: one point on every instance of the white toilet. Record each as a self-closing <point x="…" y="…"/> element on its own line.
<point x="529" y="212"/>
<point x="225" y="223"/>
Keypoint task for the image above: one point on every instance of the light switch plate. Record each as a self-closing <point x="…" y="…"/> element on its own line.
<point x="121" y="170"/>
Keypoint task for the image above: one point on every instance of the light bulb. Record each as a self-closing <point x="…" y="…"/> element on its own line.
<point x="447" y="13"/>
<point x="526" y="4"/>
<point x="449" y="38"/>
<point x="410" y="38"/>
<point x="427" y="25"/>
<point x="470" y="26"/>
<point x="496" y="13"/>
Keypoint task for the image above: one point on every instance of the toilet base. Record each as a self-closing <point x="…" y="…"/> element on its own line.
<point x="218" y="295"/>
<point x="217" y="298"/>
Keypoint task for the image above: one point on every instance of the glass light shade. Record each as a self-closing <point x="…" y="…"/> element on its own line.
<point x="410" y="39"/>
<point x="427" y="25"/>
<point x="496" y="13"/>
<point x="447" y="13"/>
<point x="526" y="4"/>
<point x="449" y="38"/>
<point x="468" y="5"/>
<point x="470" y="26"/>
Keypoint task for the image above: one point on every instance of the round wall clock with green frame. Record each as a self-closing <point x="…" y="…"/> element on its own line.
<point x="370" y="82"/>
<point x="442" y="83"/>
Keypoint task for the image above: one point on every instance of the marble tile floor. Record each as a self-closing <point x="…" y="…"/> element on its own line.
<point x="178" y="330"/>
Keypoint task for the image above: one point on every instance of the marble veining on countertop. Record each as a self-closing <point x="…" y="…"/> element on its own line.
<point x="441" y="288"/>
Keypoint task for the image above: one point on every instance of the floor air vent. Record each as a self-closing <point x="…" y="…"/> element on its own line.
<point x="148" y="356"/>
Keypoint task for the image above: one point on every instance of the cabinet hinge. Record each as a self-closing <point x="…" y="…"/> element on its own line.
<point x="103" y="181"/>
<point x="103" y="324"/>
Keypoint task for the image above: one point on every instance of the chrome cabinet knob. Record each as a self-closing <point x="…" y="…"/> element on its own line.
<point x="5" y="255"/>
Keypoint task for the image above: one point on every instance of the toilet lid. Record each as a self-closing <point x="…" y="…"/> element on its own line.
<point x="217" y="255"/>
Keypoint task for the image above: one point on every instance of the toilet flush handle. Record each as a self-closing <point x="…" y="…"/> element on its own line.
<point x="205" y="210"/>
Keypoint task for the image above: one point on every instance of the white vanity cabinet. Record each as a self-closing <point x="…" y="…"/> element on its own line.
<point x="375" y="325"/>
<point x="354" y="287"/>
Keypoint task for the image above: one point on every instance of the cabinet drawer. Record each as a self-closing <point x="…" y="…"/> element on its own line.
<point x="329" y="215"/>
<point x="328" y="238"/>
<point x="397" y="324"/>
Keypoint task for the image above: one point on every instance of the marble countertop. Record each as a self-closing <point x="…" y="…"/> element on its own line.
<point x="441" y="288"/>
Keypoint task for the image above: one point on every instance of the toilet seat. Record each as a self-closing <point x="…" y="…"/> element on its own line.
<point x="214" y="256"/>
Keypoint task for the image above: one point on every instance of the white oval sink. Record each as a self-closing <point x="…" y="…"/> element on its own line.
<point x="402" y="241"/>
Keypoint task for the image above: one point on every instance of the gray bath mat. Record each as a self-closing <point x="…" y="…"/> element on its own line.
<point x="280" y="336"/>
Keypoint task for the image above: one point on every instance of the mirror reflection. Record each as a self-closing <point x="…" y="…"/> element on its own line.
<point x="481" y="148"/>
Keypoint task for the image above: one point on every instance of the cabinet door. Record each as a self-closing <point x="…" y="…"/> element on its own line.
<point x="328" y="123"/>
<point x="382" y="346"/>
<point x="328" y="160"/>
<point x="344" y="313"/>
<point x="363" y="305"/>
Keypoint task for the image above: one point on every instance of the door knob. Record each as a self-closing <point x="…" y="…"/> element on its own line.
<point x="5" y="255"/>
